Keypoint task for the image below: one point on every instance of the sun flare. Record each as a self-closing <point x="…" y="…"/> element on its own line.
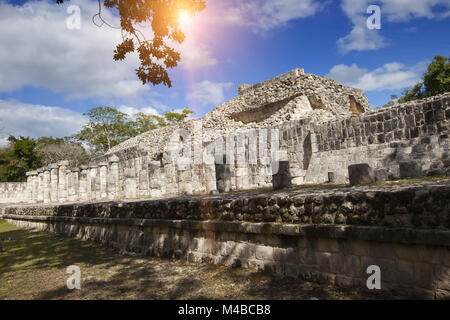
<point x="184" y="18"/>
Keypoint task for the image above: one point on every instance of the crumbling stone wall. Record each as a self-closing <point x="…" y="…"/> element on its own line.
<point x="417" y="130"/>
<point x="184" y="159"/>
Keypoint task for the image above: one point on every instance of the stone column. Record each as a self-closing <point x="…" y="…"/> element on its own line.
<point x="74" y="177"/>
<point x="82" y="192"/>
<point x="62" y="180"/>
<point x="69" y="185"/>
<point x="103" y="175"/>
<point x="113" y="178"/>
<point x="40" y="189"/>
<point x="142" y="171"/>
<point x="34" y="186"/>
<point x="54" y="181"/>
<point x="130" y="187"/>
<point x="47" y="186"/>
<point x="29" y="195"/>
<point x="93" y="181"/>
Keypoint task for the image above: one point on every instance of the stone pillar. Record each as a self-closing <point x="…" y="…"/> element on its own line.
<point x="113" y="178"/>
<point x="69" y="184"/>
<point x="40" y="189"/>
<point x="62" y="180"/>
<point x="142" y="172"/>
<point x="34" y="186"/>
<point x="130" y="186"/>
<point x="47" y="185"/>
<point x="93" y="181"/>
<point x="29" y="195"/>
<point x="73" y="183"/>
<point x="54" y="181"/>
<point x="83" y="181"/>
<point x="88" y="184"/>
<point x="184" y="179"/>
<point x="103" y="175"/>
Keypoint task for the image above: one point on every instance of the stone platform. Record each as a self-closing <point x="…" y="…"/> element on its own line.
<point x="331" y="235"/>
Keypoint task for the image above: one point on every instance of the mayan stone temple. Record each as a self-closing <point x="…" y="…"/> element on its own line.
<point x="293" y="176"/>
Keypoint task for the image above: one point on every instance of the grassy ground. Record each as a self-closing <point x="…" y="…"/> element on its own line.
<point x="33" y="266"/>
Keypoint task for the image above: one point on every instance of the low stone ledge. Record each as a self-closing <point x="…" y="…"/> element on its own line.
<point x="421" y="206"/>
<point x="364" y="233"/>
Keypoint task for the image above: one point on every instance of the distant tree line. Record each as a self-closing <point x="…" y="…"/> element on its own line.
<point x="436" y="80"/>
<point x="106" y="128"/>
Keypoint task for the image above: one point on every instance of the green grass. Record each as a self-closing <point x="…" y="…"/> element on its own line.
<point x="33" y="266"/>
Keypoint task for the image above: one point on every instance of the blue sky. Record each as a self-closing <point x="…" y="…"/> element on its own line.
<point x="49" y="74"/>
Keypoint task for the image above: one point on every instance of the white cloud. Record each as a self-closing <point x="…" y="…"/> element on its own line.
<point x="391" y="76"/>
<point x="207" y="92"/>
<point x="38" y="50"/>
<point x="21" y="119"/>
<point x="346" y="74"/>
<point x="362" y="39"/>
<point x="262" y="15"/>
<point x="132" y="111"/>
<point x="405" y="10"/>
<point x="194" y="54"/>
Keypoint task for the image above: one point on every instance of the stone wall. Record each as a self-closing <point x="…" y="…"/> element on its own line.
<point x="13" y="192"/>
<point x="329" y="236"/>
<point x="417" y="130"/>
<point x="190" y="161"/>
<point x="316" y="124"/>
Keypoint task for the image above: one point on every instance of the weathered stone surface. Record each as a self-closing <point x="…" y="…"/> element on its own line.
<point x="281" y="178"/>
<point x="333" y="254"/>
<point x="331" y="177"/>
<point x="360" y="174"/>
<point x="407" y="206"/>
<point x="380" y="175"/>
<point x="410" y="169"/>
<point x="310" y="128"/>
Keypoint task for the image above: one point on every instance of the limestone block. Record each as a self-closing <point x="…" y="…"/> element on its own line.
<point x="410" y="169"/>
<point x="380" y="175"/>
<point x="223" y="176"/>
<point x="360" y="174"/>
<point x="331" y="177"/>
<point x="281" y="177"/>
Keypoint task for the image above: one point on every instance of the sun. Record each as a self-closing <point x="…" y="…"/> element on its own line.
<point x="184" y="18"/>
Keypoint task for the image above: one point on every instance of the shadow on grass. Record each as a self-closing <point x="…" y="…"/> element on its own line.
<point x="140" y="277"/>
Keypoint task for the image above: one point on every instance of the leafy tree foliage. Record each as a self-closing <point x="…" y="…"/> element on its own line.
<point x="52" y="150"/>
<point x="157" y="54"/>
<point x="17" y="158"/>
<point x="107" y="127"/>
<point x="436" y="80"/>
<point x="146" y="122"/>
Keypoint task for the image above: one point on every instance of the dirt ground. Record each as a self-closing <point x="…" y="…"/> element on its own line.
<point x="33" y="265"/>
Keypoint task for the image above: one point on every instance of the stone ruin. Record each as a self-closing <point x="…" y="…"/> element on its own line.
<point x="311" y="126"/>
<point x="292" y="130"/>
